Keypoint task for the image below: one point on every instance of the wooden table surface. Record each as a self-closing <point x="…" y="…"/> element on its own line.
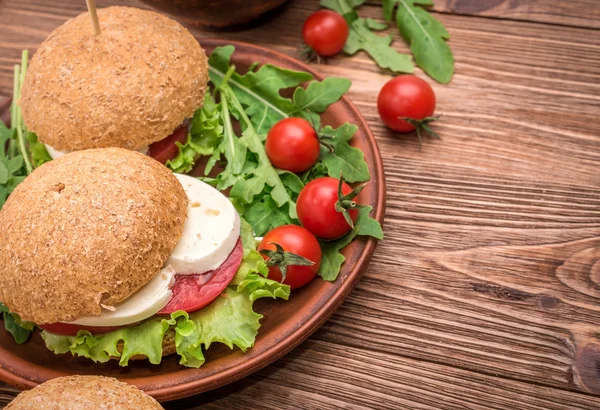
<point x="486" y="291"/>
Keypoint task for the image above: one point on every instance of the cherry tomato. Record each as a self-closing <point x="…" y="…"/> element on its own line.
<point x="166" y="149"/>
<point x="405" y="96"/>
<point x="325" y="32"/>
<point x="316" y="208"/>
<point x="293" y="145"/>
<point x="297" y="240"/>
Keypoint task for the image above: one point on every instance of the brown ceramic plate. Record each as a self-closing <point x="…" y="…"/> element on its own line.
<point x="285" y="324"/>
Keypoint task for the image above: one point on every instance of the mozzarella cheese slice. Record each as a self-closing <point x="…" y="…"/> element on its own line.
<point x="146" y="302"/>
<point x="210" y="232"/>
<point x="54" y="153"/>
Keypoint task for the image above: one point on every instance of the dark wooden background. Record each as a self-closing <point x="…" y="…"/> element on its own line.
<point x="485" y="292"/>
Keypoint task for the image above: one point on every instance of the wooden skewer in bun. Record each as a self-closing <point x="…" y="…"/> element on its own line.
<point x="91" y="5"/>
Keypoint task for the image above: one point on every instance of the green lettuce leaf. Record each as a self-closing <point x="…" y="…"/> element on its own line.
<point x="252" y="262"/>
<point x="145" y="339"/>
<point x="361" y="37"/>
<point x="260" y="287"/>
<point x="425" y="34"/>
<point x="206" y="133"/>
<point x="39" y="154"/>
<point x="229" y="320"/>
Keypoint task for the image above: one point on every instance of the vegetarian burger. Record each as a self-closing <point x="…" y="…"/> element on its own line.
<point x="84" y="392"/>
<point x="103" y="239"/>
<point x="132" y="86"/>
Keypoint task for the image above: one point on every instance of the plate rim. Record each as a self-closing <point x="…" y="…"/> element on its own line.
<point x="304" y="330"/>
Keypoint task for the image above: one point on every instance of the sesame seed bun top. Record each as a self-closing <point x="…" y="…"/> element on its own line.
<point x="85" y="230"/>
<point x="84" y="392"/>
<point x="128" y="87"/>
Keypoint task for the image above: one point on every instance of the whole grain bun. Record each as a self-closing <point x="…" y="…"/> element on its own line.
<point x="84" y="393"/>
<point x="85" y="230"/>
<point x="128" y="87"/>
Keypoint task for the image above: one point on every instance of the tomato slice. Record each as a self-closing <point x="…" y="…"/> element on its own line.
<point x="68" y="329"/>
<point x="190" y="293"/>
<point x="166" y="149"/>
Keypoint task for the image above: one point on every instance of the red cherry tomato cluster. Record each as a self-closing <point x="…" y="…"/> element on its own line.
<point x="327" y="210"/>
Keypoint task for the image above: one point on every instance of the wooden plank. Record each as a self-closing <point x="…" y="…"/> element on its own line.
<point x="576" y="13"/>
<point x="486" y="287"/>
<point x="321" y="375"/>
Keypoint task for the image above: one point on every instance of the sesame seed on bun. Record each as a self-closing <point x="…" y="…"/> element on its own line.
<point x="84" y="392"/>
<point x="128" y="87"/>
<point x="87" y="230"/>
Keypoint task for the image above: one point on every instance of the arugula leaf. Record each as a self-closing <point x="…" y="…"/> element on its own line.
<point x="20" y="330"/>
<point x="292" y="182"/>
<point x="12" y="170"/>
<point x="4" y="173"/>
<point x="264" y="173"/>
<point x="20" y="150"/>
<point x="425" y="34"/>
<point x="345" y="159"/>
<point x="232" y="148"/>
<point x="259" y="91"/>
<point x="319" y="95"/>
<point x="332" y="259"/>
<point x="317" y="171"/>
<point x="361" y="37"/>
<point x="264" y="214"/>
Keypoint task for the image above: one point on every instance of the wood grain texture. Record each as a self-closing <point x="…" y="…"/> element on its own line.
<point x="485" y="292"/>
<point x="577" y="13"/>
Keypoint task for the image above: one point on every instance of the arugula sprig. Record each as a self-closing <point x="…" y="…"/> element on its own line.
<point x="259" y="91"/>
<point x="11" y="164"/>
<point x="20" y="330"/>
<point x="262" y="173"/>
<point x="20" y="151"/>
<point x="331" y="262"/>
<point x="425" y="34"/>
<point x="362" y="37"/>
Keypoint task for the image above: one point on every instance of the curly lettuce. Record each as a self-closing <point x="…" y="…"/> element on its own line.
<point x="206" y="132"/>
<point x="229" y="320"/>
